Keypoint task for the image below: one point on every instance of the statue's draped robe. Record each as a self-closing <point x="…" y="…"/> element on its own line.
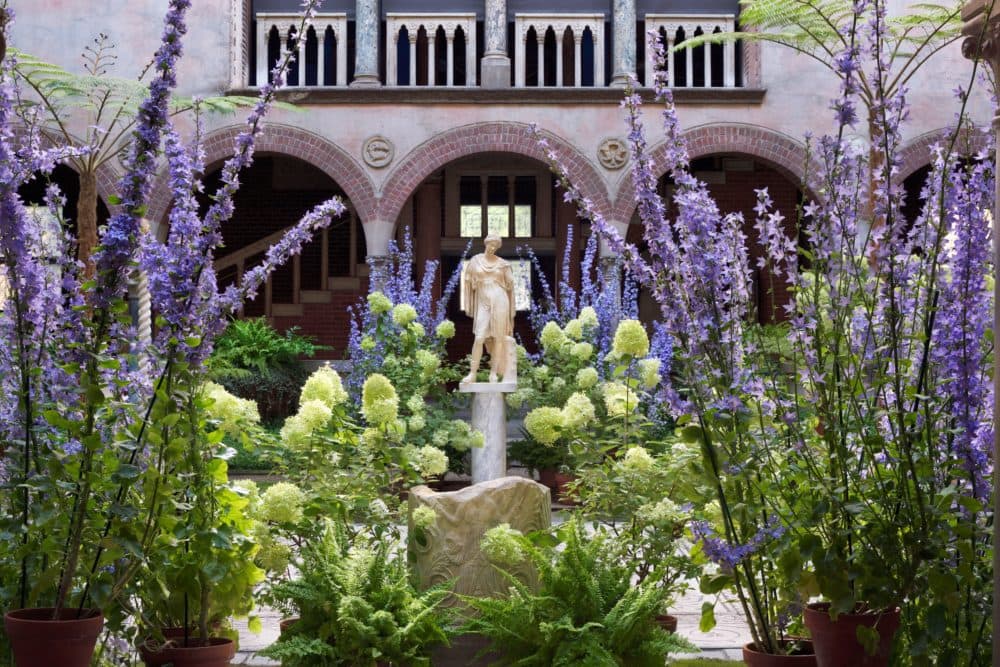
<point x="489" y="301"/>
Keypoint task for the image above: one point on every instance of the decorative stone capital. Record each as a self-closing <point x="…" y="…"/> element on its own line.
<point x="981" y="32"/>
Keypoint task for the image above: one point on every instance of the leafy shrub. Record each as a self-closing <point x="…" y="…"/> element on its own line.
<point x="253" y="360"/>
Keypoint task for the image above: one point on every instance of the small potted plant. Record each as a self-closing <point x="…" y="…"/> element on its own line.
<point x="578" y="605"/>
<point x="203" y="572"/>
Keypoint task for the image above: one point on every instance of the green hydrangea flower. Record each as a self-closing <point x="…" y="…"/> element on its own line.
<point x="586" y="378"/>
<point x="403" y="314"/>
<point x="588" y="317"/>
<point x="416" y="424"/>
<point x="367" y="343"/>
<point x="665" y="512"/>
<point x="272" y="555"/>
<point x="502" y="546"/>
<point x="574" y="329"/>
<point x="295" y="433"/>
<point x="415" y="403"/>
<point x="558" y="383"/>
<point x="542" y="372"/>
<point x="618" y="399"/>
<point x="637" y="460"/>
<point x="282" y="503"/>
<point x="578" y="411"/>
<point x="428" y="362"/>
<point x="315" y="415"/>
<point x="431" y="461"/>
<point x="544" y="424"/>
<point x="631" y="339"/>
<point x="582" y="351"/>
<point x="232" y="413"/>
<point x="417" y="329"/>
<point x="379" y="402"/>
<point x="552" y="336"/>
<point x="441" y="438"/>
<point x="424" y="517"/>
<point x="324" y="385"/>
<point x="379" y="303"/>
<point x="649" y="372"/>
<point x="445" y="330"/>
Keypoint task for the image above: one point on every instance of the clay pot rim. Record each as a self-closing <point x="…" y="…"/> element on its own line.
<point x="751" y="647"/>
<point x="862" y="610"/>
<point x="23" y="616"/>
<point x="153" y="649"/>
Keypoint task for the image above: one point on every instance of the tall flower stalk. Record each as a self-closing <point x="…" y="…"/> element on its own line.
<point x="96" y="415"/>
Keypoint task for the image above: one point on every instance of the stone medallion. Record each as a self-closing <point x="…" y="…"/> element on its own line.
<point x="378" y="151"/>
<point x="612" y="153"/>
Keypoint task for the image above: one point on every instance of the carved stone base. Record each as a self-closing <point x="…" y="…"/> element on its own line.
<point x="495" y="71"/>
<point x="449" y="550"/>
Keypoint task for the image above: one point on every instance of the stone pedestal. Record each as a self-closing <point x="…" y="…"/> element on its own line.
<point x="489" y="417"/>
<point x="495" y="66"/>
<point x="449" y="550"/>
<point x="495" y="72"/>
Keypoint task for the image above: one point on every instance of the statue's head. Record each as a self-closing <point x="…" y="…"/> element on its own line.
<point x="492" y="242"/>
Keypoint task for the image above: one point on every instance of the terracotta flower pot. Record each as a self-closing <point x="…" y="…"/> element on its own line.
<point x="285" y="623"/>
<point x="836" y="642"/>
<point x="803" y="657"/>
<point x="39" y="641"/>
<point x="557" y="482"/>
<point x="218" y="652"/>
<point x="667" y="622"/>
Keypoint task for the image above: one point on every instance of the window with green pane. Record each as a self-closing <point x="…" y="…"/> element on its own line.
<point x="497" y="204"/>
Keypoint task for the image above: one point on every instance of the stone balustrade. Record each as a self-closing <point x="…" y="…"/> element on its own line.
<point x="577" y="27"/>
<point x="326" y="43"/>
<point x="673" y="29"/>
<point x="413" y="55"/>
<point x="458" y="30"/>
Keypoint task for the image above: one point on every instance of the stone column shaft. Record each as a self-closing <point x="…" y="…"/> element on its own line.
<point x="366" y="57"/>
<point x="496" y="63"/>
<point x="489" y="417"/>
<point x="623" y="22"/>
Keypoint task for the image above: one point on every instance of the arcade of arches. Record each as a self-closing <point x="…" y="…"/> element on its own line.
<point x="511" y="194"/>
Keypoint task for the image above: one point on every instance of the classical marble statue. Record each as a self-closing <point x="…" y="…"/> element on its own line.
<point x="488" y="293"/>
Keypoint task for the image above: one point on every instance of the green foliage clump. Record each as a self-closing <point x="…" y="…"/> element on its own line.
<point x="356" y="606"/>
<point x="253" y="360"/>
<point x="585" y="610"/>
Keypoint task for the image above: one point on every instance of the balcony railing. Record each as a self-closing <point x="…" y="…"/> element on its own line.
<point x="554" y="67"/>
<point x="325" y="52"/>
<point x="680" y="66"/>
<point x="563" y="50"/>
<point x="414" y="38"/>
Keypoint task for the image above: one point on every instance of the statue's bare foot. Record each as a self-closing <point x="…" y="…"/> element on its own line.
<point x="493" y="377"/>
<point x="468" y="379"/>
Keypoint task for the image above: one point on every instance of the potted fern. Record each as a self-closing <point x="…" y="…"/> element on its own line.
<point x="584" y="609"/>
<point x="356" y="606"/>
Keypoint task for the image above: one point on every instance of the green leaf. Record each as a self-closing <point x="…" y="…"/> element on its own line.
<point x="707" y="621"/>
<point x="125" y="473"/>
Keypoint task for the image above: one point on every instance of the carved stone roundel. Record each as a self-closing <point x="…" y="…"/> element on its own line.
<point x="378" y="151"/>
<point x="612" y="153"/>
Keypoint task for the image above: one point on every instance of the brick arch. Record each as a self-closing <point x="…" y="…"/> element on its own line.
<point x="779" y="151"/>
<point x="916" y="153"/>
<point x="107" y="176"/>
<point x="491" y="137"/>
<point x="288" y="141"/>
